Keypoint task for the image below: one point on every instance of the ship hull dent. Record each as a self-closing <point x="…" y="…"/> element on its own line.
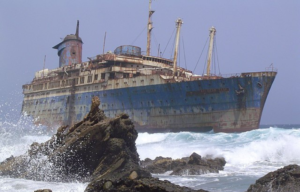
<point x="224" y="105"/>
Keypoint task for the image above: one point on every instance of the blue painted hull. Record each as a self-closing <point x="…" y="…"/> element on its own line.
<point x="225" y="105"/>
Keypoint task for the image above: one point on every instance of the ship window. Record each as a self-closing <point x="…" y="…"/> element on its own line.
<point x="117" y="84"/>
<point x="89" y="79"/>
<point x="81" y="80"/>
<point x="133" y="81"/>
<point x="102" y="75"/>
<point x="76" y="81"/>
<point x="96" y="77"/>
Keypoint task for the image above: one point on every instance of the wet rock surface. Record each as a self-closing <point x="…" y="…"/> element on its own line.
<point x="281" y="180"/>
<point x="193" y="165"/>
<point x="98" y="150"/>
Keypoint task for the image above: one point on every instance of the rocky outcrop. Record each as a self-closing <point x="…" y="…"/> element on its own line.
<point x="281" y="180"/>
<point x="97" y="147"/>
<point x="98" y="150"/>
<point x="193" y="165"/>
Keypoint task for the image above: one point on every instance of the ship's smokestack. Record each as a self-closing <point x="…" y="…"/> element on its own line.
<point x="70" y="49"/>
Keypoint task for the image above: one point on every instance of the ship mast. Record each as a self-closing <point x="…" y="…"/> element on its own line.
<point x="212" y="33"/>
<point x="149" y="27"/>
<point x="178" y="25"/>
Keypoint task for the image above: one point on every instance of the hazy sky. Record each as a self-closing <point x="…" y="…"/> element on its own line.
<point x="250" y="36"/>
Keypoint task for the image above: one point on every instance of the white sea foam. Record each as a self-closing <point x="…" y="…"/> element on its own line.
<point x="249" y="155"/>
<point x="22" y="185"/>
<point x="255" y="152"/>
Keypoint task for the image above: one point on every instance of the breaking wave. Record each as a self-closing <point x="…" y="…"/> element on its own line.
<point x="253" y="152"/>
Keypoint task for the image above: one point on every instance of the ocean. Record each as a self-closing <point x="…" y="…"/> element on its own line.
<point x="249" y="155"/>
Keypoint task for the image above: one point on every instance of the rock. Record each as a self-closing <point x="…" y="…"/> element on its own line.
<point x="194" y="159"/>
<point x="193" y="165"/>
<point x="107" y="185"/>
<point x="95" y="148"/>
<point x="98" y="150"/>
<point x="43" y="190"/>
<point x="140" y="185"/>
<point x="284" y="179"/>
<point x="133" y="175"/>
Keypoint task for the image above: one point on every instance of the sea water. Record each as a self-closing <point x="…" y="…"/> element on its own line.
<point x="249" y="155"/>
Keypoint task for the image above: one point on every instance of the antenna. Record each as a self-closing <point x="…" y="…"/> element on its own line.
<point x="77" y="29"/>
<point x="44" y="66"/>
<point x="158" y="50"/>
<point x="104" y="41"/>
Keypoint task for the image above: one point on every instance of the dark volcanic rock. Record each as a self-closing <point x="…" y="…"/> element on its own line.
<point x="43" y="190"/>
<point x="139" y="185"/>
<point x="281" y="180"/>
<point x="98" y="150"/>
<point x="95" y="147"/>
<point x="193" y="165"/>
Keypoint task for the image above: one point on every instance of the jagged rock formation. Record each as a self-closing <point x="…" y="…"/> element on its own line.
<point x="95" y="146"/>
<point x="281" y="180"/>
<point x="193" y="165"/>
<point x="98" y="150"/>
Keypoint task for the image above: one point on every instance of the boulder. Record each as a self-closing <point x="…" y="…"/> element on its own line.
<point x="284" y="179"/>
<point x="193" y="165"/>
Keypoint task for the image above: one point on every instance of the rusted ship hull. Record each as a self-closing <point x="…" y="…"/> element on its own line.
<point x="155" y="104"/>
<point x="156" y="93"/>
